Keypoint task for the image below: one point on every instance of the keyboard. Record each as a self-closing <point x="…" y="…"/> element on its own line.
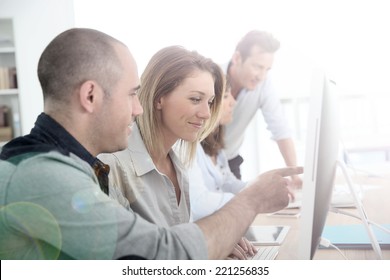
<point x="265" y="253"/>
<point x="341" y="197"/>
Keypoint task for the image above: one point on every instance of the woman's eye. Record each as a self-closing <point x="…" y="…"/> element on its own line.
<point x="195" y="100"/>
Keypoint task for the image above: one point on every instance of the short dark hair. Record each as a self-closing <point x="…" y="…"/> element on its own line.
<point x="265" y="40"/>
<point x="75" y="56"/>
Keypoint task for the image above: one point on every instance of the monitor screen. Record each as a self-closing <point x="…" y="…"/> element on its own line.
<point x="320" y="163"/>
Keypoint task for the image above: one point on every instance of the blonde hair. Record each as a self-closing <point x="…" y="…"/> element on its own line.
<point x="166" y="70"/>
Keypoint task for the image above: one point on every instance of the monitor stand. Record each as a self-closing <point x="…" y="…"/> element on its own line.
<point x="362" y="214"/>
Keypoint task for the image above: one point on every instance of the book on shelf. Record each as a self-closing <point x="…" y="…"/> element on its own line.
<point x="4" y="116"/>
<point x="6" y="133"/>
<point x="8" y="78"/>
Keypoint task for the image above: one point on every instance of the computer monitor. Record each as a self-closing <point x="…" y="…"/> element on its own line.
<point x="320" y="163"/>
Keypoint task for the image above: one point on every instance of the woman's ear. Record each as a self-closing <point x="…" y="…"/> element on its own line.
<point x="159" y="104"/>
<point x="88" y="95"/>
<point x="236" y="58"/>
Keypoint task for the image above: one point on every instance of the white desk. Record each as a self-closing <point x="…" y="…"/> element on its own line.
<point x="376" y="203"/>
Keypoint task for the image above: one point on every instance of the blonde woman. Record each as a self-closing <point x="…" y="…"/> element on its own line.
<point x="181" y="94"/>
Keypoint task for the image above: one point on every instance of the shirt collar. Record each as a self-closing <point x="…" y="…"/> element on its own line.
<point x="141" y="159"/>
<point x="49" y="131"/>
<point x="140" y="156"/>
<point x="48" y="135"/>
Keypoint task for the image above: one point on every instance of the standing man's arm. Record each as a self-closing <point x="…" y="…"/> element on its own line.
<point x="287" y="149"/>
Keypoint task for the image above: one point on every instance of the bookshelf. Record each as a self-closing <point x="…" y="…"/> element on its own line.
<point x="9" y="93"/>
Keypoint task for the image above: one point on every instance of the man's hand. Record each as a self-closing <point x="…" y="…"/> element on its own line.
<point x="266" y="193"/>
<point x="243" y="250"/>
<point x="296" y="182"/>
<point x="269" y="191"/>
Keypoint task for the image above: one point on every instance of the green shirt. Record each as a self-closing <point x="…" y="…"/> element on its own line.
<point x="51" y="207"/>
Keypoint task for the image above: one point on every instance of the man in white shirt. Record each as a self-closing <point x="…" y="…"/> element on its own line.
<point x="253" y="90"/>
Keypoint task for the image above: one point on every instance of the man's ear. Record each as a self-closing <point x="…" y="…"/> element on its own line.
<point x="236" y="58"/>
<point x="88" y="95"/>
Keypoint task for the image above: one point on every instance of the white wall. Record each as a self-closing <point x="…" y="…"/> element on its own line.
<point x="348" y="38"/>
<point x="36" y="23"/>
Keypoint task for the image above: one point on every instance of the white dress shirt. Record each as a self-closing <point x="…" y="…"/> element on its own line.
<point x="263" y="97"/>
<point x="211" y="186"/>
